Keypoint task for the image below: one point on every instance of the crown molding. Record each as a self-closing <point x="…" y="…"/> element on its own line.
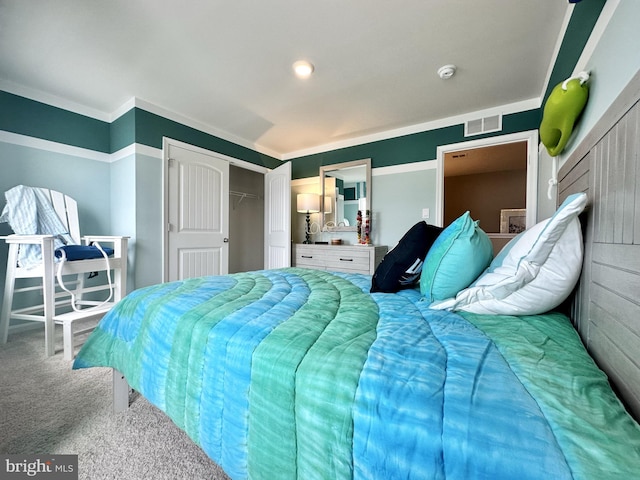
<point x="54" y="101"/>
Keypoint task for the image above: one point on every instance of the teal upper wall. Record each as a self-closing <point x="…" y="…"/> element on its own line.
<point x="150" y="128"/>
<point x="416" y="147"/>
<point x="35" y="119"/>
<point x="123" y="131"/>
<point x="39" y="120"/>
<point x="584" y="17"/>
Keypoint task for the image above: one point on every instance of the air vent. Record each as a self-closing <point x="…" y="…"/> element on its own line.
<point x="483" y="125"/>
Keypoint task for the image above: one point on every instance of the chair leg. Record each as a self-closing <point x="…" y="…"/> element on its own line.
<point x="48" y="290"/>
<point x="79" y="290"/>
<point x="9" y="287"/>
<point x="67" y="338"/>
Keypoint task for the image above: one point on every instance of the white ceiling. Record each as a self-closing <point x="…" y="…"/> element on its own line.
<point x="226" y="65"/>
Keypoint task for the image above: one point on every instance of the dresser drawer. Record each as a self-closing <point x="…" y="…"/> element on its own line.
<point x="343" y="258"/>
<point x="356" y="259"/>
<point x="308" y="258"/>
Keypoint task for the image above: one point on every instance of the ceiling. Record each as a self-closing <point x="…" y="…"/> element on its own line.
<point x="226" y="65"/>
<point x="494" y="158"/>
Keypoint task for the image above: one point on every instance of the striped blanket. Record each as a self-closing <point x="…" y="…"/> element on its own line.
<point x="29" y="212"/>
<point x="297" y="373"/>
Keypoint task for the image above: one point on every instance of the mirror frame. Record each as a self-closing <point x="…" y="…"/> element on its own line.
<point x="324" y="170"/>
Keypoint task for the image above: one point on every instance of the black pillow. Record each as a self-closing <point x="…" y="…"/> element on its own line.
<point x="401" y="267"/>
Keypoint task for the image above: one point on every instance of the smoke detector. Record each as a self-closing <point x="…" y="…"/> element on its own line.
<point x="447" y="71"/>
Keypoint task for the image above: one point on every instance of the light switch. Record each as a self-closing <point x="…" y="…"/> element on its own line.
<point x="425" y="213"/>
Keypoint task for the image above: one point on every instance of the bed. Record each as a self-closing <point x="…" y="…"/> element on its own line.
<point x="296" y="373"/>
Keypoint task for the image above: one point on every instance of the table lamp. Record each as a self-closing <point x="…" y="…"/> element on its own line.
<point x="308" y="203"/>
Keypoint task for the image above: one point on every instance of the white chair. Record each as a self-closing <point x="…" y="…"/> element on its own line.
<point x="55" y="307"/>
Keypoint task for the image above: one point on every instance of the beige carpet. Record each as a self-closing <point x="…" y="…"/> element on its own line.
<point x="47" y="408"/>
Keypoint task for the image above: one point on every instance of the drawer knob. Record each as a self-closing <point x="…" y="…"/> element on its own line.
<point x="346" y="259"/>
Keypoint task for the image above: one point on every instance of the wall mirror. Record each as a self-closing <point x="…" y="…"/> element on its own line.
<point x="346" y="188"/>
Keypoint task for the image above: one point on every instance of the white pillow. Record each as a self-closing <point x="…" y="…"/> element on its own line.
<point x="534" y="273"/>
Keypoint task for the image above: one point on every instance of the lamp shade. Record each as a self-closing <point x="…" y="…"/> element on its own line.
<point x="308" y="203"/>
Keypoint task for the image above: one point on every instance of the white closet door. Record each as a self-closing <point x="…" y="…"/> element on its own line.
<point x="197" y="212"/>
<point x="277" y="220"/>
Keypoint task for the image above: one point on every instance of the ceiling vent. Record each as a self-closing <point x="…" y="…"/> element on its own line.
<point x="483" y="125"/>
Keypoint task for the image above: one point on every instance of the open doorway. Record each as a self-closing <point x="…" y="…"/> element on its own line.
<point x="246" y="220"/>
<point x="485" y="181"/>
<point x="496" y="179"/>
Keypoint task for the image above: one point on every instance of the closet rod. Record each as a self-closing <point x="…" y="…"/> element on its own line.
<point x="243" y="194"/>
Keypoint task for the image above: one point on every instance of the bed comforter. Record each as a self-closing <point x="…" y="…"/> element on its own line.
<point x="297" y="373"/>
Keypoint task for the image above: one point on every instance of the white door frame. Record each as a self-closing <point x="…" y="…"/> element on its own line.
<point x="531" y="137"/>
<point x="165" y="187"/>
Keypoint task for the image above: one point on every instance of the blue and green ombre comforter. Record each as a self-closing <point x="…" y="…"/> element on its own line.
<point x="295" y="373"/>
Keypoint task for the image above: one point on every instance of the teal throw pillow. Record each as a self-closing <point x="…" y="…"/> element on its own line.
<point x="457" y="257"/>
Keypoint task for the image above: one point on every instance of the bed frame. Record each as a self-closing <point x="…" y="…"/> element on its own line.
<point x="606" y="305"/>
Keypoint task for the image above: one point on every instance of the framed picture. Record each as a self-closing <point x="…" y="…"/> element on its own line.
<point x="513" y="220"/>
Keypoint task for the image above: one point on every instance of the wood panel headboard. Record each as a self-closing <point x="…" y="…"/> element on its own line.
<point x="606" y="305"/>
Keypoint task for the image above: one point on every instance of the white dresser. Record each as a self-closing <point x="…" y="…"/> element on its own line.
<point x="342" y="258"/>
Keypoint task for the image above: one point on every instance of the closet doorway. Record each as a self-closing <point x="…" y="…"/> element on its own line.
<point x="493" y="178"/>
<point x="246" y="220"/>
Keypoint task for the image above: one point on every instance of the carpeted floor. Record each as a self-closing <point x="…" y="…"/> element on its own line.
<point x="47" y="408"/>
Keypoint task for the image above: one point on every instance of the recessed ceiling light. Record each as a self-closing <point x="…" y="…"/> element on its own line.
<point x="303" y="68"/>
<point x="447" y="71"/>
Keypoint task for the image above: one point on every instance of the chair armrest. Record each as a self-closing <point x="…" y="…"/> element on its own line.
<point x="119" y="243"/>
<point x="103" y="238"/>
<point x="29" y="239"/>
